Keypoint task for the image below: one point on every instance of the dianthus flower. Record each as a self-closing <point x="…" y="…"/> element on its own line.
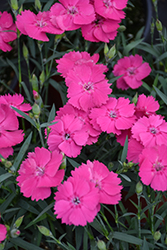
<point x="3" y="232"/>
<point x="101" y="29"/>
<point x="153" y="167"/>
<point x="114" y="116"/>
<point x="77" y="201"/>
<point x="5" y="152"/>
<point x="68" y="135"/>
<point x="135" y="148"/>
<point x="7" y="31"/>
<point x="10" y="135"/>
<point x="111" y="8"/>
<point x="150" y="131"/>
<point x="36" y="26"/>
<point x="39" y="172"/>
<point x="146" y="106"/>
<point x="73" y="58"/>
<point x="133" y="70"/>
<point x="16" y="101"/>
<point x="105" y="181"/>
<point x="88" y="87"/>
<point x="71" y="14"/>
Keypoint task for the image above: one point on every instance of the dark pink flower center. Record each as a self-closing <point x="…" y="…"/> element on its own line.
<point x="67" y="136"/>
<point x="72" y="10"/>
<point x="107" y="3"/>
<point x="88" y="86"/>
<point x="40" y="171"/>
<point x="131" y="70"/>
<point x="41" y="23"/>
<point x="153" y="130"/>
<point x="113" y="114"/>
<point x="98" y="20"/>
<point x="158" y="166"/>
<point x="76" y="200"/>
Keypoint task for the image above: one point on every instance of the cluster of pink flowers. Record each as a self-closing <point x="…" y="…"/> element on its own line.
<point x="98" y="19"/>
<point x="3" y="232"/>
<point x="9" y="125"/>
<point x="78" y="199"/>
<point x="7" y="31"/>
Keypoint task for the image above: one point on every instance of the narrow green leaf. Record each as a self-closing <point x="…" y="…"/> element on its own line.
<point x="22" y="152"/>
<point x="52" y="113"/>
<point x="47" y="124"/>
<point x="78" y="236"/>
<point x="27" y="206"/>
<point x="57" y="86"/>
<point x="42" y="217"/>
<point x="24" y="244"/>
<point x="127" y="238"/>
<point x="27" y="92"/>
<point x="145" y="245"/>
<point x="125" y="150"/>
<point x="161" y="57"/>
<point x="125" y="177"/>
<point x="7" y="202"/>
<point x="131" y="45"/>
<point x="161" y="95"/>
<point x="4" y="177"/>
<point x="48" y="5"/>
<point x="25" y="116"/>
<point x="73" y="163"/>
<point x="13" y="67"/>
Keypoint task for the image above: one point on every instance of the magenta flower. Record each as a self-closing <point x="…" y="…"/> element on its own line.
<point x="39" y="172"/>
<point x="36" y="26"/>
<point x="5" y="152"/>
<point x="105" y="181"/>
<point x="111" y="8"/>
<point x="71" y="59"/>
<point x="150" y="131"/>
<point x="3" y="232"/>
<point x="7" y="31"/>
<point x="9" y="133"/>
<point x="16" y="101"/>
<point x="114" y="116"/>
<point x="133" y="70"/>
<point x="71" y="14"/>
<point x="146" y="106"/>
<point x="88" y="87"/>
<point x="153" y="167"/>
<point x="77" y="201"/>
<point x="101" y="29"/>
<point x="135" y="148"/>
<point x="68" y="135"/>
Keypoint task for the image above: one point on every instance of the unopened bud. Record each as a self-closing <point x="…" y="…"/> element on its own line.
<point x="135" y="99"/>
<point x="159" y="25"/>
<point x="14" y="4"/>
<point x="157" y="235"/>
<point x="121" y="28"/>
<point x="106" y="49"/>
<point x="8" y="164"/>
<point x="166" y="240"/>
<point x="59" y="37"/>
<point x="34" y="82"/>
<point x="36" y="110"/>
<point x="14" y="233"/>
<point x="101" y="245"/>
<point x="64" y="162"/>
<point x="25" y="52"/>
<point x="139" y="188"/>
<point x="42" y="78"/>
<point x="38" y="4"/>
<point x="44" y="231"/>
<point x="18" y="222"/>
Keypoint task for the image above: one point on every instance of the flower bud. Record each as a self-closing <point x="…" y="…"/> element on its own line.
<point x="121" y="28"/>
<point x="14" y="233"/>
<point x="34" y="82"/>
<point x="14" y="4"/>
<point x="159" y="25"/>
<point x="36" y="110"/>
<point x="64" y="162"/>
<point x="101" y="245"/>
<point x="25" y="52"/>
<point x="8" y="164"/>
<point x="42" y="78"/>
<point x="18" y="221"/>
<point x="139" y="188"/>
<point x="38" y="4"/>
<point x="157" y="235"/>
<point x="135" y="99"/>
<point x="106" y="49"/>
<point x="44" y="231"/>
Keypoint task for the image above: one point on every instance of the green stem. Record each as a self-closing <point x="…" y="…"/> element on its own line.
<point x="152" y="220"/>
<point x="40" y="133"/>
<point x="19" y="61"/>
<point x="139" y="216"/>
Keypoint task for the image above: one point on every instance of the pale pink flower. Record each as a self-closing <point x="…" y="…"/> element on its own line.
<point x="101" y="29"/>
<point x="71" y="14"/>
<point x="68" y="135"/>
<point x="9" y="133"/>
<point x="5" y="152"/>
<point x="16" y="101"/>
<point x="105" y="181"/>
<point x="153" y="167"/>
<point x="77" y="201"/>
<point x="36" y="26"/>
<point x="73" y="58"/>
<point x="146" y="105"/>
<point x="7" y="31"/>
<point x="39" y="172"/>
<point x="3" y="232"/>
<point x="133" y="70"/>
<point x="88" y="87"/>
<point x="111" y="8"/>
<point x="135" y="148"/>
<point x="114" y="116"/>
<point x="150" y="131"/>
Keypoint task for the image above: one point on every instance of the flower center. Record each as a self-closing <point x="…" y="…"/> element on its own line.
<point x="158" y="166"/>
<point x="67" y="136"/>
<point x="98" y="20"/>
<point x="72" y="10"/>
<point x="88" y="86"/>
<point x="107" y="3"/>
<point x="41" y="23"/>
<point x="40" y="171"/>
<point x="131" y="70"/>
<point x="153" y="130"/>
<point x="76" y="200"/>
<point x="112" y="114"/>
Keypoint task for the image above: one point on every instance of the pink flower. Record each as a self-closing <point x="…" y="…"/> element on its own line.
<point x="114" y="116"/>
<point x="9" y="133"/>
<point x="36" y="26"/>
<point x="71" y="59"/>
<point x="7" y="31"/>
<point x="111" y="8"/>
<point x="135" y="148"/>
<point x="77" y="201"/>
<point x="39" y="172"/>
<point x="122" y="137"/>
<point x="71" y="14"/>
<point x="3" y="232"/>
<point x="101" y="29"/>
<point x="133" y="70"/>
<point x="153" y="167"/>
<point x="150" y="131"/>
<point x="68" y="135"/>
<point x="5" y="152"/>
<point x="146" y="106"/>
<point x="16" y="101"/>
<point x="105" y="181"/>
<point x="88" y="87"/>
